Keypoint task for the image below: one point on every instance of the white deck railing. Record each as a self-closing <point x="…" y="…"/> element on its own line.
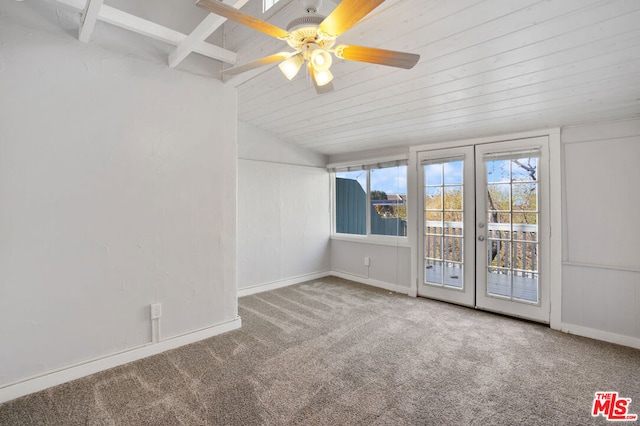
<point x="522" y="261"/>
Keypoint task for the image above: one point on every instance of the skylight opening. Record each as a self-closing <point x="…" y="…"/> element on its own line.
<point x="268" y="4"/>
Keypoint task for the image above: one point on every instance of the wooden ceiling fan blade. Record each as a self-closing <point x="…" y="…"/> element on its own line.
<point x="257" y="64"/>
<point x="377" y="56"/>
<point x="346" y="15"/>
<point x="230" y="12"/>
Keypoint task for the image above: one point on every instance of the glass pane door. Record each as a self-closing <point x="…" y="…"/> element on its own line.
<point x="512" y="227"/>
<point x="511" y="183"/>
<point x="484" y="214"/>
<point x="448" y="211"/>
<point x="444" y="229"/>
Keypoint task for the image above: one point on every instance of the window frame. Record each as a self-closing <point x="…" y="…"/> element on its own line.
<point x="368" y="238"/>
<point x="265" y="9"/>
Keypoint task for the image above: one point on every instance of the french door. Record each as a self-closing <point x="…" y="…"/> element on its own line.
<point x="485" y="227"/>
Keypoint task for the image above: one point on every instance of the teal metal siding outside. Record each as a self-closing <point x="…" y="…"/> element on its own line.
<point x="351" y="201"/>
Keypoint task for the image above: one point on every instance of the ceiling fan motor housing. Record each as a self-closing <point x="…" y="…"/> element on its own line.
<point x="305" y="21"/>
<point x="304" y="30"/>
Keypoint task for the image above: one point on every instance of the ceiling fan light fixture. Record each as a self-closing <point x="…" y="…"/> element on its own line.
<point x="320" y="60"/>
<point x="291" y="66"/>
<point x="322" y="77"/>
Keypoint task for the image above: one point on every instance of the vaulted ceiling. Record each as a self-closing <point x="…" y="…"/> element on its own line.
<point x="487" y="67"/>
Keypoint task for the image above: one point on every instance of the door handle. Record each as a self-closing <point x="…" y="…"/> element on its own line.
<point x="481" y="238"/>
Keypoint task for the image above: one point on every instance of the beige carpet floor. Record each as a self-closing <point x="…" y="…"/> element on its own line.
<point x="331" y="352"/>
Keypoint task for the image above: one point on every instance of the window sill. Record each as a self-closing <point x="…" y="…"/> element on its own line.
<point x="373" y="239"/>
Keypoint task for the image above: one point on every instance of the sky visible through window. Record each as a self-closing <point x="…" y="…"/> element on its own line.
<point x="452" y="173"/>
<point x="392" y="180"/>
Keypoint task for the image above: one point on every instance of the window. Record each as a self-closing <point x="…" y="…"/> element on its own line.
<point x="372" y="200"/>
<point x="351" y="202"/>
<point x="268" y="4"/>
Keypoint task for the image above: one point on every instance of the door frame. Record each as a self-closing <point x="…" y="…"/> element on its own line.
<point x="555" y="249"/>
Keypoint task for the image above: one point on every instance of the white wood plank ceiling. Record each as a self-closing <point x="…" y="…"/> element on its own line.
<point x="487" y="67"/>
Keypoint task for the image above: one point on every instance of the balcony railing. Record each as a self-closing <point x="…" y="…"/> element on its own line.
<point x="512" y="257"/>
<point x="524" y="241"/>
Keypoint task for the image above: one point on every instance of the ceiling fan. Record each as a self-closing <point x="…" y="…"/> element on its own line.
<point x="313" y="38"/>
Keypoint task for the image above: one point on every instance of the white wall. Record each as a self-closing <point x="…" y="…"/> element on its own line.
<point x="117" y="189"/>
<point x="389" y="266"/>
<point x="601" y="272"/>
<point x="256" y="144"/>
<point x="283" y="212"/>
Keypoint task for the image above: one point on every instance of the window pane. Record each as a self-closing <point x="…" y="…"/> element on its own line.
<point x="525" y="219"/>
<point x="453" y="275"/>
<point x="499" y="282"/>
<point x="498" y="171"/>
<point x="453" y="248"/>
<point x="497" y="218"/>
<point x="453" y="198"/>
<point x="453" y="173"/>
<point x="351" y="202"/>
<point x="454" y="217"/>
<point x="433" y="272"/>
<point x="524" y="169"/>
<point x="433" y="174"/>
<point x="433" y="216"/>
<point x="526" y="287"/>
<point x="433" y="247"/>
<point x="524" y="196"/>
<point x="499" y="253"/>
<point x="453" y="228"/>
<point x="498" y="197"/>
<point x="433" y="198"/>
<point x="389" y="201"/>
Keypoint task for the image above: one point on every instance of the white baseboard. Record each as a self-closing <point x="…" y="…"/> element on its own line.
<point x="606" y="336"/>
<point x="38" y="383"/>
<point x="317" y="275"/>
<point x="281" y="283"/>
<point x="372" y="282"/>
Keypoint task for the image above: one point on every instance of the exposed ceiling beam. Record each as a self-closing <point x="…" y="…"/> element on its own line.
<point x="88" y="19"/>
<point x="159" y="32"/>
<point x="138" y="25"/>
<point x="196" y="38"/>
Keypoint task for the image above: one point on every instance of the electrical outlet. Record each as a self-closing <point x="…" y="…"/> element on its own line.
<point x="367" y="261"/>
<point x="156" y="310"/>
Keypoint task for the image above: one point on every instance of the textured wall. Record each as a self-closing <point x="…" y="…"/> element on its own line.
<point x="283" y="210"/>
<point x="118" y="189"/>
<point x="388" y="265"/>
